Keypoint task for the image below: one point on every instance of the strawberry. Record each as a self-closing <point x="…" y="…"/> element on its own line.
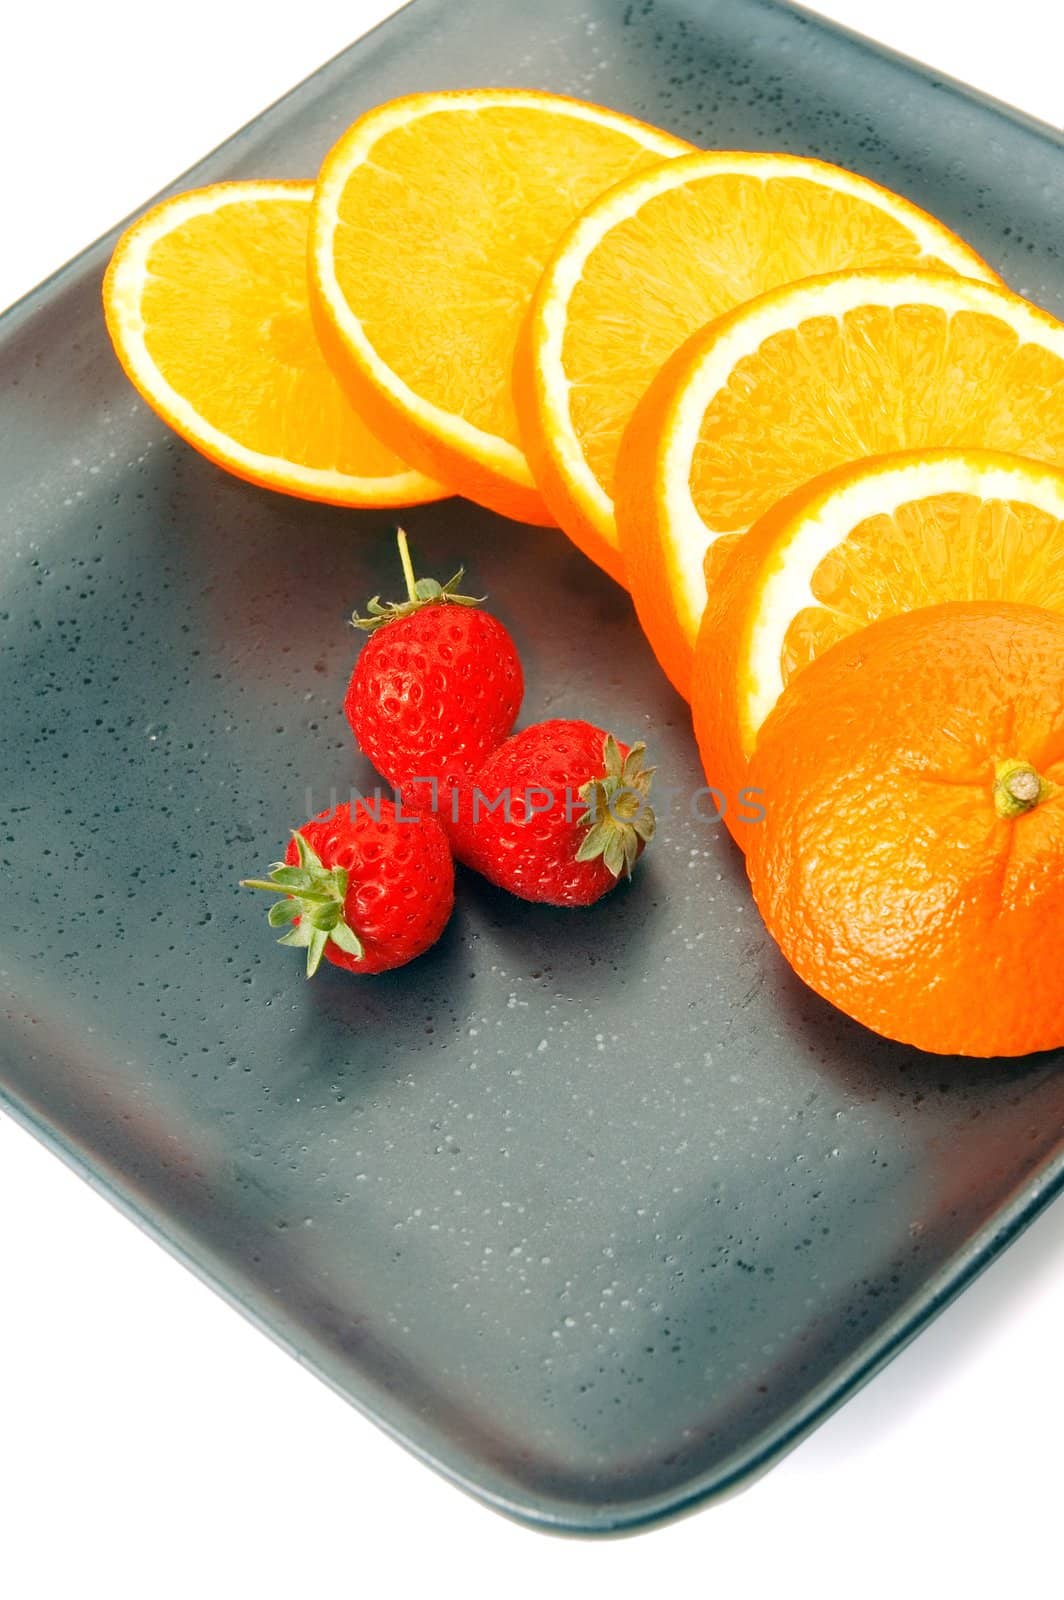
<point x="364" y="885"/>
<point x="436" y="686"/>
<point x="556" y="813"/>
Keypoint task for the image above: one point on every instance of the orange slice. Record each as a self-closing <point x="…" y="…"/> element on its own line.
<point x="433" y="219"/>
<point x="655" y="259"/>
<point x="862" y="542"/>
<point x="804" y="378"/>
<point x="206" y="304"/>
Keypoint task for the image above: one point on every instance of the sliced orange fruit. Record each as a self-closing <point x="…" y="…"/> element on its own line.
<point x="806" y="377"/>
<point x="206" y="304"/>
<point x="865" y="541"/>
<point x="655" y="259"/>
<point x="433" y="219"/>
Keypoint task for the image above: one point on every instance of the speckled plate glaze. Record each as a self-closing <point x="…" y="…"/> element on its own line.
<point x="598" y="1212"/>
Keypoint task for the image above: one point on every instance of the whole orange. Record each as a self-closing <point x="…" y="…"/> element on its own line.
<point x="911" y="861"/>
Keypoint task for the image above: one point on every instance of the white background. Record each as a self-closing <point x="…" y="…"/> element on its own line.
<point x="151" y="1443"/>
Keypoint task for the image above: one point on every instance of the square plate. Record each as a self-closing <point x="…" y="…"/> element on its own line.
<point x="598" y="1212"/>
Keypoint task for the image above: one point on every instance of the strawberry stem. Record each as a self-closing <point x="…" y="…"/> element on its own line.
<point x="408" y="565"/>
<point x="420" y="592"/>
<point x="274" y="886"/>
<point x="313" y="903"/>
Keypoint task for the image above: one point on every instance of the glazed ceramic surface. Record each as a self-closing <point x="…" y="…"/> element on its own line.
<point x="598" y="1211"/>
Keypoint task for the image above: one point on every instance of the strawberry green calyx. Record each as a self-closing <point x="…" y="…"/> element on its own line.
<point x="314" y="900"/>
<point x="419" y="592"/>
<point x="619" y="818"/>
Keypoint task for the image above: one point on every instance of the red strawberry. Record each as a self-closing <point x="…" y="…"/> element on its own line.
<point x="557" y="813"/>
<point x="436" y="687"/>
<point x="364" y="886"/>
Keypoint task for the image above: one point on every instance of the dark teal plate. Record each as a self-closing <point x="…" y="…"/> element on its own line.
<point x="598" y="1212"/>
